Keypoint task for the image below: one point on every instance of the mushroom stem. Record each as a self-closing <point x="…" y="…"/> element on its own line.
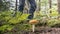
<point x="33" y="27"/>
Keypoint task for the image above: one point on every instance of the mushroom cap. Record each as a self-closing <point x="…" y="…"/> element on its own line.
<point x="33" y="21"/>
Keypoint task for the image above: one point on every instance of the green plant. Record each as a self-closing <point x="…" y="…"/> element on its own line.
<point x="39" y="15"/>
<point x="53" y="13"/>
<point x="8" y="21"/>
<point x="49" y="19"/>
<point x="21" y="27"/>
<point x="53" y="22"/>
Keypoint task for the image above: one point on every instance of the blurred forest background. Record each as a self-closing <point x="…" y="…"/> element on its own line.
<point x="11" y="20"/>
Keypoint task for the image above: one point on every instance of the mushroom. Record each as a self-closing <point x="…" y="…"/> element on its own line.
<point x="33" y="22"/>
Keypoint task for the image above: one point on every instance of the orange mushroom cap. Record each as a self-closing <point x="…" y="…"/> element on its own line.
<point x="33" y="21"/>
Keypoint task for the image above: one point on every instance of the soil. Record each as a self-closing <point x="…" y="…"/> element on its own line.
<point x="39" y="30"/>
<point x="47" y="30"/>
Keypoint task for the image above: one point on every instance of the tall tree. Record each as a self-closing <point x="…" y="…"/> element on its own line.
<point x="58" y="6"/>
<point x="50" y="4"/>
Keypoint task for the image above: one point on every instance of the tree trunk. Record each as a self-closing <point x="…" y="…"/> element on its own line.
<point x="58" y="6"/>
<point x="26" y="7"/>
<point x="50" y="4"/>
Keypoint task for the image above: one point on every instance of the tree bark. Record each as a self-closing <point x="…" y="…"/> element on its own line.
<point x="50" y="4"/>
<point x="58" y="6"/>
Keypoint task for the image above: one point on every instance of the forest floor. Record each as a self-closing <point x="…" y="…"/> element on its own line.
<point x="39" y="30"/>
<point x="46" y="30"/>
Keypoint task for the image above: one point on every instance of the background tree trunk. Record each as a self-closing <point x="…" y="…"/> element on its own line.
<point x="58" y="6"/>
<point x="50" y="4"/>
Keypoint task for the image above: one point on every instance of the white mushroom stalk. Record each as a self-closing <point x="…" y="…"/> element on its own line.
<point x="33" y="27"/>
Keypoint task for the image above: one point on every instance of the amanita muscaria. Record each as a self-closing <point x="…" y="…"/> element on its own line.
<point x="33" y="22"/>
